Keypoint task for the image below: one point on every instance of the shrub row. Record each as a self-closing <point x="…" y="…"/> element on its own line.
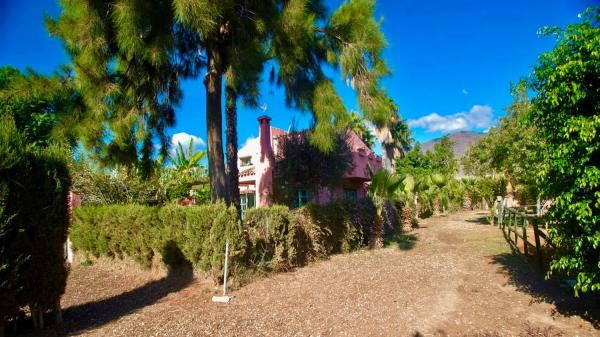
<point x="34" y="185"/>
<point x="178" y="233"/>
<point x="274" y="238"/>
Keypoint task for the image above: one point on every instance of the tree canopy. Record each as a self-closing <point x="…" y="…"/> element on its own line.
<point x="129" y="57"/>
<point x="566" y="111"/>
<point x="511" y="149"/>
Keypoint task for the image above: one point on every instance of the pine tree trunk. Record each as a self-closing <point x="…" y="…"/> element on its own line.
<point x="214" y="125"/>
<point x="232" y="145"/>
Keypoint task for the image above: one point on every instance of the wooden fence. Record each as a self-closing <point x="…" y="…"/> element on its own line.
<point x="515" y="223"/>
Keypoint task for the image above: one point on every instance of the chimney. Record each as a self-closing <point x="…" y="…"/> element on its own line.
<point x="264" y="128"/>
<point x="264" y="167"/>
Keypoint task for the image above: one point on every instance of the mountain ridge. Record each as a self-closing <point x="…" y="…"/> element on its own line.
<point x="463" y="140"/>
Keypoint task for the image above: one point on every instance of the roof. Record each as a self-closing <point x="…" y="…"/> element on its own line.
<point x="247" y="172"/>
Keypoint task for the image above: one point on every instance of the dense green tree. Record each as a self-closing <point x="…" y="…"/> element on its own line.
<point x="511" y="149"/>
<point x="566" y="111"/>
<point x="414" y="163"/>
<point x="129" y="56"/>
<point x="45" y="109"/>
<point x="442" y="157"/>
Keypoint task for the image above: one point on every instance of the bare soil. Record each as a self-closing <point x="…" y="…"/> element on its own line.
<point x="454" y="276"/>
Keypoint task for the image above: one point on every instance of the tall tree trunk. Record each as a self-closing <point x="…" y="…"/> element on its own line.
<point x="232" y="145"/>
<point x="214" y="124"/>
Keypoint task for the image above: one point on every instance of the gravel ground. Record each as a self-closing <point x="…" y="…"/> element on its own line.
<point x="456" y="277"/>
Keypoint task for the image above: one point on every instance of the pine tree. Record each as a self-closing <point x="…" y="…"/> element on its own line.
<point x="129" y="57"/>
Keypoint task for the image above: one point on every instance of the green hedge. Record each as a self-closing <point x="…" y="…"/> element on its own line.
<point x="273" y="238"/>
<point x="34" y="185"/>
<point x="178" y="233"/>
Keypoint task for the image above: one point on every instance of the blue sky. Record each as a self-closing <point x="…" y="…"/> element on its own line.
<point x="452" y="61"/>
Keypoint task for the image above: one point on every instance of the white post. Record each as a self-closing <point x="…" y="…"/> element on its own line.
<point x="225" y="273"/>
<point x="69" y="251"/>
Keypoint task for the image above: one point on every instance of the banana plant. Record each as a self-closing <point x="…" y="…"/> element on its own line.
<point x="189" y="160"/>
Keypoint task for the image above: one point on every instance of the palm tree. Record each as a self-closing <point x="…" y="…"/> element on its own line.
<point x="383" y="189"/>
<point x="396" y="141"/>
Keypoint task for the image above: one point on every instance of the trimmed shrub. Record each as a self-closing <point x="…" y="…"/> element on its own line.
<point x="34" y="183"/>
<point x="272" y="239"/>
<point x="346" y="223"/>
<point x="178" y="233"/>
<point x="280" y="239"/>
<point x="117" y="231"/>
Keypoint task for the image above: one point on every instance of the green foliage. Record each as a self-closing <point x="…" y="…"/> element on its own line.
<point x="120" y="185"/>
<point x="567" y="114"/>
<point x="271" y="239"/>
<point x="45" y="109"/>
<point x="34" y="183"/>
<point x="129" y="58"/>
<point x="187" y="161"/>
<point x="194" y="233"/>
<point x="441" y="160"/>
<point x="442" y="157"/>
<point x="512" y="149"/>
<point x="346" y="224"/>
<point x="300" y="164"/>
<point x="358" y="125"/>
<point x="431" y="177"/>
<point x="280" y="239"/>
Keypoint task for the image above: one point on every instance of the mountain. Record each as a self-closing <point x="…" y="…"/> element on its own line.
<point x="462" y="141"/>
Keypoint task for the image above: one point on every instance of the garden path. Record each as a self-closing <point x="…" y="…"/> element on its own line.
<point x="453" y="276"/>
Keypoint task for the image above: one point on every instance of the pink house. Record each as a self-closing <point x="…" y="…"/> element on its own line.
<point x="257" y="157"/>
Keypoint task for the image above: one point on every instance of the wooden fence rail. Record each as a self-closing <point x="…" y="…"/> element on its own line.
<point x="514" y="224"/>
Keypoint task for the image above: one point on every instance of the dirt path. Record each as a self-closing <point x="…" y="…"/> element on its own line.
<point x="456" y="277"/>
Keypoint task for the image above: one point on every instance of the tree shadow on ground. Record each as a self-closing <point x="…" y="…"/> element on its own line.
<point x="530" y="280"/>
<point x="80" y="318"/>
<point x="402" y="241"/>
<point x="484" y="220"/>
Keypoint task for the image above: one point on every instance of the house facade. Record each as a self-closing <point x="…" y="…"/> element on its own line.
<point x="257" y="158"/>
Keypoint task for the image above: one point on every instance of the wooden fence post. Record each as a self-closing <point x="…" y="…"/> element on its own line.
<point x="525" y="242"/>
<point x="538" y="246"/>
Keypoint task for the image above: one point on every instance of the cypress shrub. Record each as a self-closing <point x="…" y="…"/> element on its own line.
<point x="279" y="239"/>
<point x="196" y="234"/>
<point x="270" y="239"/>
<point x="34" y="185"/>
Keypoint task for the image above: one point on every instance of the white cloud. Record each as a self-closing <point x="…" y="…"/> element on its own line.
<point x="478" y="117"/>
<point x="185" y="138"/>
<point x="464" y="92"/>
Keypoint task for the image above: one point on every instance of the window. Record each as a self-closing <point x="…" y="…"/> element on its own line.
<point x="245" y="161"/>
<point x="302" y="198"/>
<point x="350" y="193"/>
<point x="246" y="202"/>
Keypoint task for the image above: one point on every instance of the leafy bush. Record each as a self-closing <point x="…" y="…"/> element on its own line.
<point x="193" y="233"/>
<point x="566" y="110"/>
<point x="34" y="183"/>
<point x="279" y="238"/>
<point x="120" y="185"/>
<point x="273" y="238"/>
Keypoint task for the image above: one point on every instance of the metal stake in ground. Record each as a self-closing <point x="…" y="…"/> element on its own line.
<point x="224" y="298"/>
